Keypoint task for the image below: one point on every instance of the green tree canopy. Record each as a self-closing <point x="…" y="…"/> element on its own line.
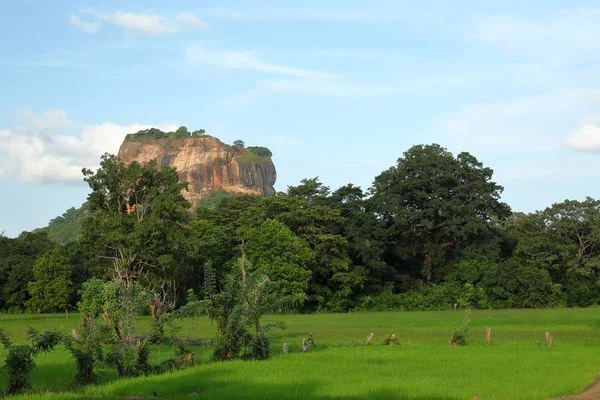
<point x="52" y="280"/>
<point x="433" y="204"/>
<point x="139" y="222"/>
<point x="277" y="253"/>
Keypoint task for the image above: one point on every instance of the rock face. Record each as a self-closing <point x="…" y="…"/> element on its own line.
<point x="206" y="163"/>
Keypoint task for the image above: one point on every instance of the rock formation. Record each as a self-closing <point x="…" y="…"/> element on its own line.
<point x="206" y="163"/>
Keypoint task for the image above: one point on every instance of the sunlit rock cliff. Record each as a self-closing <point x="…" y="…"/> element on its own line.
<point x="206" y="163"/>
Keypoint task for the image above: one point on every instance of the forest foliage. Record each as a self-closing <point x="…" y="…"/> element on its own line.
<point x="430" y="233"/>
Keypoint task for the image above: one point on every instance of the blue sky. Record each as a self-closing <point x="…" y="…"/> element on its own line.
<point x="336" y="89"/>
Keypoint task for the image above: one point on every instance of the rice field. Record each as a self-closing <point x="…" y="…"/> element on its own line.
<point x="518" y="364"/>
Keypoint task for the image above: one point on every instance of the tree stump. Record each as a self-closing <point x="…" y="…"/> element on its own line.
<point x="74" y="333"/>
<point x="548" y="339"/>
<point x="369" y="338"/>
<point x="392" y="339"/>
<point x="488" y="335"/>
<point x="285" y="348"/>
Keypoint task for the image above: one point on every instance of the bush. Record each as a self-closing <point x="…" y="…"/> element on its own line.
<point x="182" y="359"/>
<point x="426" y="297"/>
<point x="19" y="361"/>
<point x="129" y="360"/>
<point x="462" y="332"/>
<point x="390" y="339"/>
<point x="86" y="349"/>
<point x="261" y="151"/>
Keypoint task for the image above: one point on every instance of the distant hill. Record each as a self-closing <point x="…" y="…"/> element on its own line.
<point x="67" y="227"/>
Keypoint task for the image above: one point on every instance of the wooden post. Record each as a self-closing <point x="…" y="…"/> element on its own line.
<point x="488" y="335"/>
<point x="46" y="315"/>
<point x="307" y="343"/>
<point x="369" y="338"/>
<point x="392" y="339"/>
<point x="285" y="348"/>
<point x="74" y="333"/>
<point x="548" y="339"/>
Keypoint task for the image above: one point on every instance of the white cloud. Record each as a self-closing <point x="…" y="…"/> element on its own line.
<point x="87" y="27"/>
<point x="143" y="23"/>
<point x="527" y="125"/>
<point x="585" y="138"/>
<point x="246" y="60"/>
<point x="153" y="24"/>
<point x="42" y="149"/>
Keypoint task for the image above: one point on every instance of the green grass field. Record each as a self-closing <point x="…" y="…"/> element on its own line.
<point x="422" y="367"/>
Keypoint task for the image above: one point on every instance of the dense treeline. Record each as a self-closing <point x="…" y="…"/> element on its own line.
<point x="431" y="232"/>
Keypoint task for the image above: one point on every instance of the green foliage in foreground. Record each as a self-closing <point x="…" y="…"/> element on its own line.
<point x="422" y="366"/>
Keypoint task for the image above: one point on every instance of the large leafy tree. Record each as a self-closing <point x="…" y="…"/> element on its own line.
<point x="277" y="253"/>
<point x="52" y="280"/>
<point x="139" y="224"/>
<point x="434" y="204"/>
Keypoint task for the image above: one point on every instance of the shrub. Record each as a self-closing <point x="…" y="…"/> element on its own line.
<point x="19" y="361"/>
<point x="462" y="332"/>
<point x="86" y="349"/>
<point x="390" y="339"/>
<point x="129" y="360"/>
<point x="261" y="151"/>
<point x="182" y="359"/>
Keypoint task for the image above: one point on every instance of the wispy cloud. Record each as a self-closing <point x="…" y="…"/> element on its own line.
<point x="87" y="27"/>
<point x="246" y="60"/>
<point x="144" y="23"/>
<point x="41" y="150"/>
<point x="153" y="24"/>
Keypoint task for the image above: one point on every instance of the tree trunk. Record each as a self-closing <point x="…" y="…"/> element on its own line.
<point x="243" y="262"/>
